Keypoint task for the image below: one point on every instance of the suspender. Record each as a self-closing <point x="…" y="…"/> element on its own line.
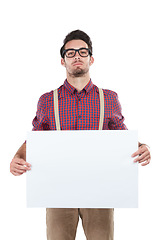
<point x="56" y="111"/>
<point x="101" y="95"/>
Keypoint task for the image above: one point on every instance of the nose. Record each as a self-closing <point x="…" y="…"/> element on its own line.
<point x="77" y="55"/>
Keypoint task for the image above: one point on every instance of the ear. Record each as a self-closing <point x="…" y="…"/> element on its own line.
<point x="91" y="60"/>
<point x="63" y="62"/>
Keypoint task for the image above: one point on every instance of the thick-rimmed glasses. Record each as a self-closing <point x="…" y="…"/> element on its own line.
<point x="83" y="52"/>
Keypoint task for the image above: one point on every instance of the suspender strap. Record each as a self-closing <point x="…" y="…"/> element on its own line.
<point x="101" y="95"/>
<point x="56" y="111"/>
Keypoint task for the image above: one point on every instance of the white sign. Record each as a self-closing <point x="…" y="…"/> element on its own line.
<point x="82" y="169"/>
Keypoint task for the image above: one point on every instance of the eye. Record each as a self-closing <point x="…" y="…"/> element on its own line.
<point x="70" y="53"/>
<point x="84" y="52"/>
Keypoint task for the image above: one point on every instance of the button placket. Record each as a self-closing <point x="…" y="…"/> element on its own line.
<point x="79" y="117"/>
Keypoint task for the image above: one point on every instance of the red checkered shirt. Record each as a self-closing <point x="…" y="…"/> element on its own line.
<point x="79" y="111"/>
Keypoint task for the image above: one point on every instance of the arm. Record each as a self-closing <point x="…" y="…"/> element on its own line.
<point x="18" y="165"/>
<point x="116" y="118"/>
<point x="116" y="123"/>
<point x="143" y="153"/>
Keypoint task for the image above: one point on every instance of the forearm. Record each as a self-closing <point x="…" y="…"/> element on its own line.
<point x="21" y="153"/>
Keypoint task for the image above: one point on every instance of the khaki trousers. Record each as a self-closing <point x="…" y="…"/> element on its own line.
<point x="98" y="224"/>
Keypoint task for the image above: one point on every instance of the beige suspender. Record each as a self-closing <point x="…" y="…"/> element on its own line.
<point x="56" y="111"/>
<point x="101" y="95"/>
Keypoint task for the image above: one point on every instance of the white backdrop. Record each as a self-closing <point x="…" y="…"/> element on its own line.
<point x="125" y="36"/>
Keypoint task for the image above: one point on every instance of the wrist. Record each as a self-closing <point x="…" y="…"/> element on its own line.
<point x="141" y="144"/>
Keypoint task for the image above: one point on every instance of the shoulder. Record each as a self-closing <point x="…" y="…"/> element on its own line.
<point x="110" y="97"/>
<point x="48" y="96"/>
<point x="108" y="94"/>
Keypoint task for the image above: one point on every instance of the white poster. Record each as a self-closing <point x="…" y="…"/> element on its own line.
<point x="82" y="169"/>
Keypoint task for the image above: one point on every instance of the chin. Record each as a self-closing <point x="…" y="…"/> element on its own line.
<point x="80" y="72"/>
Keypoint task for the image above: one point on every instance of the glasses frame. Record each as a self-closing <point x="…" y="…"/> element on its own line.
<point x="77" y="50"/>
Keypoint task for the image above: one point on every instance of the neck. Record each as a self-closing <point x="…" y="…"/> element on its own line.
<point x="78" y="82"/>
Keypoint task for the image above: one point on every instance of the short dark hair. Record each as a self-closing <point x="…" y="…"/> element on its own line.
<point x="76" y="35"/>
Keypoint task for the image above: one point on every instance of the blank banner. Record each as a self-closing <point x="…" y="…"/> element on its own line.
<point x="82" y="169"/>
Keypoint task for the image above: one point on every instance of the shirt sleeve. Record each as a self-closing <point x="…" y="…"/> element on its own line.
<point x="40" y="121"/>
<point x="117" y="119"/>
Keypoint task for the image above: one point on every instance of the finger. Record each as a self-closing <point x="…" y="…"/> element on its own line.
<point x="140" y="151"/>
<point x="21" y="167"/>
<point x="144" y="159"/>
<point x="21" y="161"/>
<point x="27" y="164"/>
<point x="136" y="159"/>
<point x="16" y="167"/>
<point x="19" y="171"/>
<point x="16" y="174"/>
<point x="145" y="163"/>
<point x="144" y="156"/>
<point x="145" y="149"/>
<point x="136" y="153"/>
<point x="16" y="170"/>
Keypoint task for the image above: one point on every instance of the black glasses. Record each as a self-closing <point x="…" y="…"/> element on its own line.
<point x="83" y="52"/>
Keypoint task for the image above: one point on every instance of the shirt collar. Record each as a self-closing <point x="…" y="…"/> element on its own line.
<point x="72" y="90"/>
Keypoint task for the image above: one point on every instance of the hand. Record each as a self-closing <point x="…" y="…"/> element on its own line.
<point x="18" y="166"/>
<point x="144" y="155"/>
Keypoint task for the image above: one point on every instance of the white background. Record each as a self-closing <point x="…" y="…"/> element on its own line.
<point x="125" y="36"/>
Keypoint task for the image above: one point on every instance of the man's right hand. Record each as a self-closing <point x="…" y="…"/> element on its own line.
<point x="18" y="166"/>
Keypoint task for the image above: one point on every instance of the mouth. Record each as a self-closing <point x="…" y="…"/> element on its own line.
<point x="77" y="63"/>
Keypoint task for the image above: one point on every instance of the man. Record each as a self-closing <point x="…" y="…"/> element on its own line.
<point x="79" y="109"/>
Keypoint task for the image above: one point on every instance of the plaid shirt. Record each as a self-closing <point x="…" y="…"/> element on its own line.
<point x="79" y="111"/>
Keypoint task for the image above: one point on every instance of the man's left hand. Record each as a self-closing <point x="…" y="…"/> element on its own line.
<point x="143" y="154"/>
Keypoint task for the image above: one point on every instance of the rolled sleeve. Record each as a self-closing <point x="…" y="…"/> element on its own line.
<point x="117" y="119"/>
<point x="40" y="122"/>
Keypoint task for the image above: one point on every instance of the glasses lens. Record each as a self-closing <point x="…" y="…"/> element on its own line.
<point x="83" y="52"/>
<point x="70" y="53"/>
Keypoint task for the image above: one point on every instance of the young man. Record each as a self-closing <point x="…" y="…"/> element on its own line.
<point x="79" y="109"/>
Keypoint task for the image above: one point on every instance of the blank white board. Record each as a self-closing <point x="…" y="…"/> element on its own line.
<point x="82" y="169"/>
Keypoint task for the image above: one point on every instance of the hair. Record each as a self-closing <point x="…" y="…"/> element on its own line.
<point x="76" y="35"/>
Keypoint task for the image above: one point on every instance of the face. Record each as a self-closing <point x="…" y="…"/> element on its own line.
<point x="77" y="66"/>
